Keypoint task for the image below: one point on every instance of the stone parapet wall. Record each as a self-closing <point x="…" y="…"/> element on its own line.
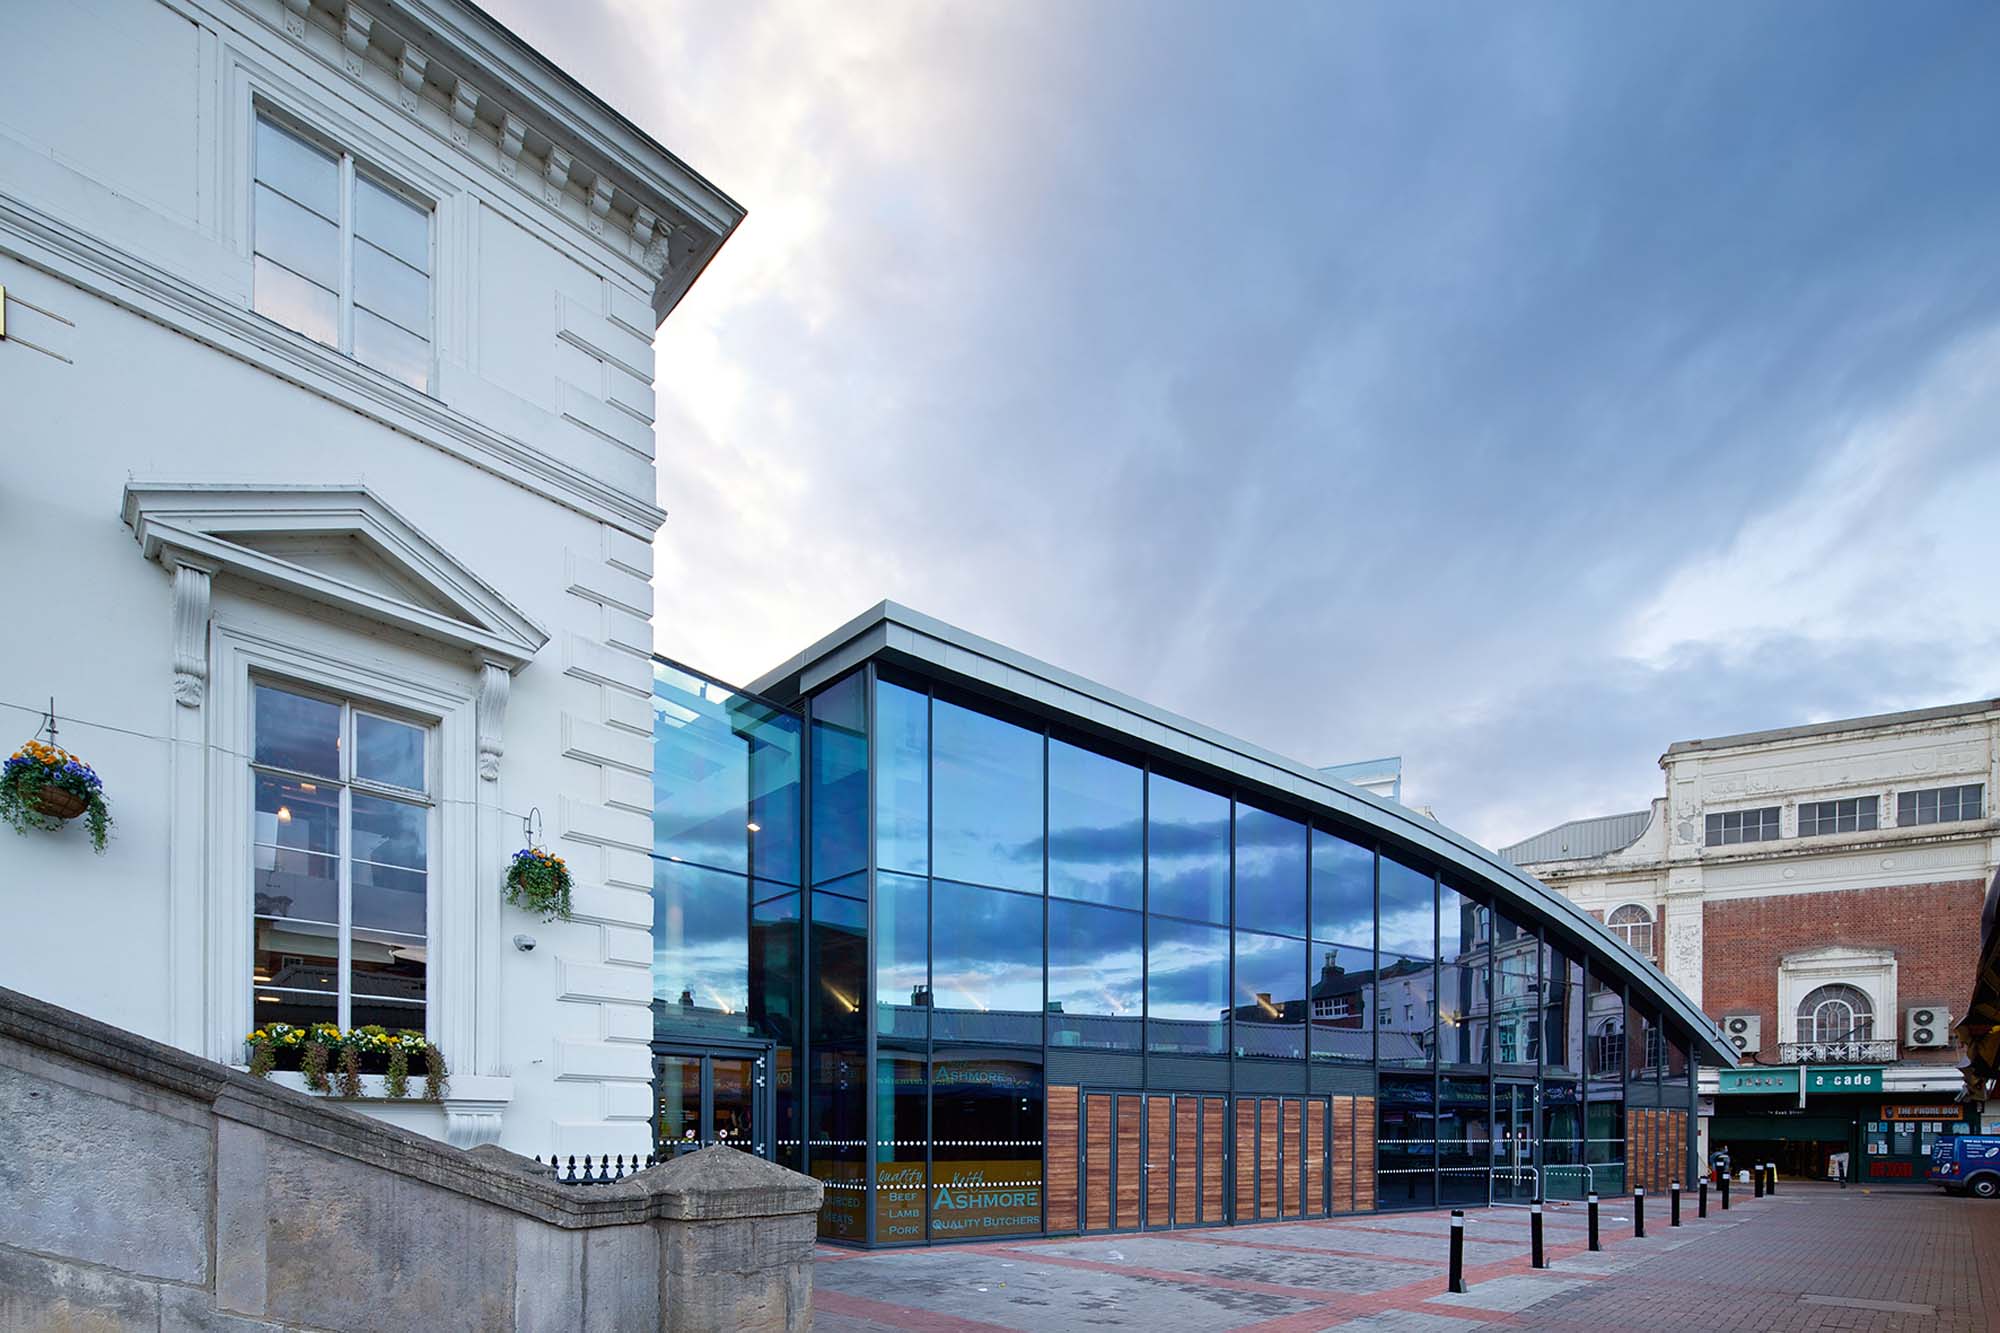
<point x="145" y="1188"/>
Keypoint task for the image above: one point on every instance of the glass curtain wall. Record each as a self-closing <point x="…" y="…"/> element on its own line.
<point x="726" y="886"/>
<point x="1342" y="958"/>
<point x="837" y="955"/>
<point x="962" y="797"/>
<point x="990" y="889"/>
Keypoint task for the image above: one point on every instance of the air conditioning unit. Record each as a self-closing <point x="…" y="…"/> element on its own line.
<point x="1745" y="1032"/>
<point x="1926" y="1026"/>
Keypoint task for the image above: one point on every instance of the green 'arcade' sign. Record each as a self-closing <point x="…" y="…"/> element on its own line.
<point x="1844" y="1078"/>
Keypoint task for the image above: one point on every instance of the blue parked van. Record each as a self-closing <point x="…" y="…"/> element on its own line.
<point x="1967" y="1163"/>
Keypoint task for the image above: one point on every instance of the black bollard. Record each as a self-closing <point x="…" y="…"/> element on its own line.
<point x="1639" y="1213"/>
<point x="1674" y="1204"/>
<point x="1594" y="1245"/>
<point x="1757" y="1181"/>
<point x="1458" y="1251"/>
<point x="1843" y="1175"/>
<point x="1770" y="1178"/>
<point x="1725" y="1191"/>
<point x="1701" y="1199"/>
<point x="1536" y="1257"/>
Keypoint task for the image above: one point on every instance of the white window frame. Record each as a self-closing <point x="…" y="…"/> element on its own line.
<point x="1624" y="930"/>
<point x="1801" y="1017"/>
<point x="1873" y="972"/>
<point x="1823" y="819"/>
<point x="350" y="784"/>
<point x="350" y="163"/>
<point x="249" y="649"/>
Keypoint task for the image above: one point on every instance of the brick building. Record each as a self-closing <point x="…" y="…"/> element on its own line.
<point x="1818" y="890"/>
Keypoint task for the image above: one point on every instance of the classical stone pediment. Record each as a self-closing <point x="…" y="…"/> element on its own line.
<point x="340" y="546"/>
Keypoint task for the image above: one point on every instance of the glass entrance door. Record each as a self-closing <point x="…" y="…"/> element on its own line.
<point x="704" y="1097"/>
<point x="1514" y="1141"/>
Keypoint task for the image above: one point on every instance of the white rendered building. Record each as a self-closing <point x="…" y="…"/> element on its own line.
<point x="327" y="507"/>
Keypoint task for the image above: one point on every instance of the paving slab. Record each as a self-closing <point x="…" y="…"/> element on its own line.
<point x="1813" y="1258"/>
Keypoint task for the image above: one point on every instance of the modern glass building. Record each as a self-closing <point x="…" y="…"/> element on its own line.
<point x="992" y="950"/>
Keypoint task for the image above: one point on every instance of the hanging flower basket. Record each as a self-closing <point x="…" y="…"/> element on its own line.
<point x="539" y="881"/>
<point x="42" y="787"/>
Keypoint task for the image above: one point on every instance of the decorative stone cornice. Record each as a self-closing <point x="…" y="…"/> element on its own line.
<point x="200" y="528"/>
<point x="140" y="284"/>
<point x="627" y="191"/>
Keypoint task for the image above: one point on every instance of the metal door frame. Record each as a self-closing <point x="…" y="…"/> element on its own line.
<point x="763" y="1101"/>
<point x="1533" y="1090"/>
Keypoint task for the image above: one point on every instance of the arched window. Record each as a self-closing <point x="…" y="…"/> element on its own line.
<point x="1633" y="924"/>
<point x="1836" y="1013"/>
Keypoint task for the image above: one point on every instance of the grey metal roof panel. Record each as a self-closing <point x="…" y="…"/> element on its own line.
<point x="1743" y="738"/>
<point x="897" y="633"/>
<point x="1580" y="838"/>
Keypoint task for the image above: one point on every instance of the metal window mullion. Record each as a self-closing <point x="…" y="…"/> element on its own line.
<point x="344" y="949"/>
<point x="346" y="330"/>
<point x="869" y="997"/>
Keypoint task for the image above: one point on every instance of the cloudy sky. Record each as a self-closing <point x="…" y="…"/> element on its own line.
<point x="1514" y="388"/>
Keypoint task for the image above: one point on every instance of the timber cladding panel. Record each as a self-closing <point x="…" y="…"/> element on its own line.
<point x="1269" y="1167"/>
<point x="1062" y="1152"/>
<point x="1316" y="1113"/>
<point x="1246" y="1159"/>
<point x="1364" y="1154"/>
<point x="1129" y="1160"/>
<point x="1655" y="1147"/>
<point x="1214" y="1154"/>
<point x="1097" y="1162"/>
<point x="1187" y="1160"/>
<point x="1159" y="1155"/>
<point x="1341" y="1185"/>
<point x="1293" y="1204"/>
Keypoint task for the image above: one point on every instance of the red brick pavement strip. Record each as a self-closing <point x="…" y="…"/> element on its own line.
<point x="898" y="1316"/>
<point x="1204" y="1238"/>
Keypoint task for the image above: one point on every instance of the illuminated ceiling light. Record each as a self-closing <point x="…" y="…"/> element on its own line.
<point x="307" y="786"/>
<point x="267" y="999"/>
<point x="284" y="814"/>
<point x="754" y="826"/>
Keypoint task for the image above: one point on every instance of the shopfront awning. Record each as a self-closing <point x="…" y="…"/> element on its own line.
<point x="1978" y="1032"/>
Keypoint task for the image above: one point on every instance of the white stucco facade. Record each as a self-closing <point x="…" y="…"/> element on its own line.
<point x="197" y="500"/>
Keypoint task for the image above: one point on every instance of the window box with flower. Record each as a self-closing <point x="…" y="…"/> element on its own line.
<point x="335" y="1063"/>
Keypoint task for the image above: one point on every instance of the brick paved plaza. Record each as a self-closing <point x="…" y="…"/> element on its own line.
<point x="1810" y="1257"/>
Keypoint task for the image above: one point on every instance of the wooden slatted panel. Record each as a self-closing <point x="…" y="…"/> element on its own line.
<point x="1062" y="1148"/>
<point x="1269" y="1161"/>
<point x="1159" y="1159"/>
<point x="1315" y="1200"/>
<point x="1097" y="1163"/>
<point x="1187" y="1160"/>
<point x="1246" y="1159"/>
<point x="1343" y="1155"/>
<point x="1364" y="1154"/>
<point x="1128" y="1159"/>
<point x="1214" y="1159"/>
<point x="1292" y="1201"/>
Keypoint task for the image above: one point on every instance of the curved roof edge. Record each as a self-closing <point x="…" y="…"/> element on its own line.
<point x="894" y="632"/>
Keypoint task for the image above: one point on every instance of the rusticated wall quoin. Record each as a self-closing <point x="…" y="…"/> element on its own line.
<point x="244" y="1188"/>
